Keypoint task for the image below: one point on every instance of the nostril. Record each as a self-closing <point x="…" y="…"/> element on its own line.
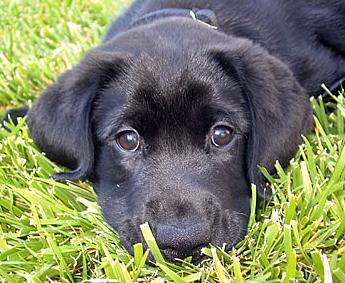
<point x="182" y="238"/>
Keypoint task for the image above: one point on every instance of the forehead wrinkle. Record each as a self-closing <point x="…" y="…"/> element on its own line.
<point x="169" y="69"/>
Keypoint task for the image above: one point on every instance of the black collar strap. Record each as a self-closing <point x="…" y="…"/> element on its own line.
<point x="204" y="16"/>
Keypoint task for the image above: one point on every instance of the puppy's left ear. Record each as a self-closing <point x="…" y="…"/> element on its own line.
<point x="59" y="121"/>
<point x="279" y="107"/>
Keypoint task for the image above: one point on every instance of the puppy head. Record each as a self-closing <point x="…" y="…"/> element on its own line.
<point x="172" y="132"/>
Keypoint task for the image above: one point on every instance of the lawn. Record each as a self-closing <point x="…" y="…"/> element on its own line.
<point x="54" y="232"/>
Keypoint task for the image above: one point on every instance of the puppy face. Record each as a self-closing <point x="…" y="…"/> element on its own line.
<point x="170" y="122"/>
<point x="170" y="149"/>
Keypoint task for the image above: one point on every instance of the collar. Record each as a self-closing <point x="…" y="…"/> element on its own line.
<point x="203" y="16"/>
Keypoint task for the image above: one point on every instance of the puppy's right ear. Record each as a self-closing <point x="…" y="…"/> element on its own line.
<point x="59" y="121"/>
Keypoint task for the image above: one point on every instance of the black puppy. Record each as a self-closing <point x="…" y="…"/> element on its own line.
<point x="172" y="114"/>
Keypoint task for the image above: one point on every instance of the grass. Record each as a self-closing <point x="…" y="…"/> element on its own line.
<point x="54" y="232"/>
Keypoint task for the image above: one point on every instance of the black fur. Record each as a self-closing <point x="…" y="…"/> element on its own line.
<point x="172" y="78"/>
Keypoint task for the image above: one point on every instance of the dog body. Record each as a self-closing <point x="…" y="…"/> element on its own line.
<point x="308" y="37"/>
<point x="172" y="114"/>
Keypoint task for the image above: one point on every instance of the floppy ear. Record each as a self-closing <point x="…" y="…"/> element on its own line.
<point x="279" y="107"/>
<point x="59" y="121"/>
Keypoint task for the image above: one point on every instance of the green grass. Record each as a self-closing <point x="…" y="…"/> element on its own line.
<point x="54" y="232"/>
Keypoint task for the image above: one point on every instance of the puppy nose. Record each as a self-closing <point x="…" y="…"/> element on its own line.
<point x="182" y="239"/>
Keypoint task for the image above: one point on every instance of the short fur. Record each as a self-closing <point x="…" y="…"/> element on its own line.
<point x="172" y="79"/>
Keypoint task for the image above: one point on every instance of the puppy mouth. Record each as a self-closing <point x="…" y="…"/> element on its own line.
<point x="176" y="256"/>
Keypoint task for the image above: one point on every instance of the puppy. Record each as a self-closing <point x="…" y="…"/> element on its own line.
<point x="172" y="114"/>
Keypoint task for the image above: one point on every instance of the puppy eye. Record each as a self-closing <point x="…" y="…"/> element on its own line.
<point x="221" y="135"/>
<point x="128" y="140"/>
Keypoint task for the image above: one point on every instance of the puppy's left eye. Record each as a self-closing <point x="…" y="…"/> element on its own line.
<point x="128" y="140"/>
<point x="221" y="136"/>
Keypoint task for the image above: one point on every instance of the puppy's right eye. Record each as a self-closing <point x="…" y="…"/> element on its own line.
<point x="128" y="140"/>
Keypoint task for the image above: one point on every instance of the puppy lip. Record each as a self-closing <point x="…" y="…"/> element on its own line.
<point x="173" y="255"/>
